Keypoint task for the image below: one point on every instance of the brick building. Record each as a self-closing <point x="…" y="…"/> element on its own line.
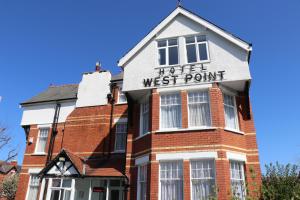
<point x="175" y="124"/>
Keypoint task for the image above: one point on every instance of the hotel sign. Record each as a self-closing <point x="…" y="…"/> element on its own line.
<point x="185" y="74"/>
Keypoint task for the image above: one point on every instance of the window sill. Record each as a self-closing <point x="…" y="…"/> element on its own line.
<point x="141" y="136"/>
<point x="198" y="62"/>
<point x="39" y="154"/>
<point x="234" y="131"/>
<point x="121" y="103"/>
<point x="186" y="129"/>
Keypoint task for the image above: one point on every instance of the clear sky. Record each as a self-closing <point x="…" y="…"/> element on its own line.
<point x="54" y="42"/>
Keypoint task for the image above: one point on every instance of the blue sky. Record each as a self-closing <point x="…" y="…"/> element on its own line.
<point x="54" y="42"/>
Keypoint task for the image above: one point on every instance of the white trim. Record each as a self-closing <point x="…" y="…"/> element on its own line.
<point x="191" y="16"/>
<point x="185" y="87"/>
<point x="142" y="160"/>
<point x="44" y="125"/>
<point x="186" y="155"/>
<point x="120" y="120"/>
<point x="236" y="156"/>
<point x="186" y="129"/>
<point x="34" y="170"/>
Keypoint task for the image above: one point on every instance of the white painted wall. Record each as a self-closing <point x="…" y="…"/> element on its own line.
<point x="93" y="89"/>
<point x="44" y="113"/>
<point x="224" y="55"/>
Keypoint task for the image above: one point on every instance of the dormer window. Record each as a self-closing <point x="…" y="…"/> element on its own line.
<point x="168" y="52"/>
<point x="196" y="49"/>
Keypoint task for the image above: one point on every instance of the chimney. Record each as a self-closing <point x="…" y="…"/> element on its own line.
<point x="98" y="66"/>
<point x="14" y="162"/>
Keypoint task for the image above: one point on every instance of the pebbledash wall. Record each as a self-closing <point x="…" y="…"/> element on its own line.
<point x="175" y="124"/>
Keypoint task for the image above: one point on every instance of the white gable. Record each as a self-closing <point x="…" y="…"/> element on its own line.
<point x="62" y="170"/>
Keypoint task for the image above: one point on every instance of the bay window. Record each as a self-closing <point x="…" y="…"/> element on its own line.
<point x="120" y="137"/>
<point x="196" y="49"/>
<point x="142" y="182"/>
<point x="42" y="140"/>
<point x="199" y="109"/>
<point x="171" y="180"/>
<point x="168" y="52"/>
<point x="170" y="110"/>
<point x="33" y="187"/>
<point x="144" y="118"/>
<point x="203" y="179"/>
<point x="237" y="178"/>
<point x="231" y="117"/>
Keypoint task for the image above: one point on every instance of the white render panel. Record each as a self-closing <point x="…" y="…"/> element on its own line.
<point x="236" y="156"/>
<point x="187" y="155"/>
<point x="224" y="55"/>
<point x="93" y="89"/>
<point x="44" y="113"/>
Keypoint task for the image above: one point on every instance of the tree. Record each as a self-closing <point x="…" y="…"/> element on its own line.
<point x="5" y="140"/>
<point x="9" y="186"/>
<point x="281" y="182"/>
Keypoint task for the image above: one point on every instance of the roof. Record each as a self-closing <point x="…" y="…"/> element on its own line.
<point x="179" y="10"/>
<point x="6" y="167"/>
<point x="98" y="166"/>
<point x="55" y="93"/>
<point x="117" y="77"/>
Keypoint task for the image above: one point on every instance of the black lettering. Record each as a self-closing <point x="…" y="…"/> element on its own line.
<point x="182" y="68"/>
<point x="188" y="77"/>
<point x="166" y="80"/>
<point x="203" y="68"/>
<point x="212" y="76"/>
<point x="172" y="70"/>
<point x="198" y="77"/>
<point x="221" y="74"/>
<point x="192" y="69"/>
<point x="174" y="79"/>
<point x="147" y="82"/>
<point x="161" y="71"/>
<point x="205" y="77"/>
<point x="156" y="81"/>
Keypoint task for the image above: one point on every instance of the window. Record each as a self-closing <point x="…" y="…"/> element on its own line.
<point x="231" y="118"/>
<point x="199" y="109"/>
<point x="168" y="52"/>
<point x="61" y="189"/>
<point x="120" y="141"/>
<point x="33" y="187"/>
<point x="144" y="119"/>
<point x="196" y="49"/>
<point x="171" y="180"/>
<point x="237" y="179"/>
<point x="42" y="140"/>
<point x="170" y="110"/>
<point x="122" y="96"/>
<point x="203" y="179"/>
<point x="142" y="182"/>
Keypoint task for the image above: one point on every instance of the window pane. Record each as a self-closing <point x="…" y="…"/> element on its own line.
<point x="191" y="53"/>
<point x="172" y="42"/>
<point x="237" y="179"/>
<point x="189" y="40"/>
<point x="201" y="38"/>
<point x="142" y="182"/>
<point x="170" y="111"/>
<point x="144" y="118"/>
<point x="55" y="195"/>
<point x="231" y="118"/>
<point x="33" y="187"/>
<point x="199" y="109"/>
<point x="56" y="182"/>
<point x="173" y="55"/>
<point x="202" y="51"/>
<point x="122" y="96"/>
<point x="162" y="43"/>
<point x="120" y="139"/>
<point x="162" y="56"/>
<point x="67" y="183"/>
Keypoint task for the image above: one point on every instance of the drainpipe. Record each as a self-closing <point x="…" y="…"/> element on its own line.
<point x="53" y="133"/>
<point x="111" y="100"/>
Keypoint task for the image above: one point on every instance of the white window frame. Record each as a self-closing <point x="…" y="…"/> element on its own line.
<point x="197" y="49"/>
<point x="33" y="172"/>
<point x="188" y="109"/>
<point x="141" y="132"/>
<point x="191" y="178"/>
<point x="243" y="178"/>
<point x="167" y="51"/>
<point x="235" y="113"/>
<point x="38" y="141"/>
<point x="159" y="177"/>
<point x="121" y="93"/>
<point x="160" y="115"/>
<point x="144" y="165"/>
<point x="50" y="188"/>
<point x="125" y="132"/>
